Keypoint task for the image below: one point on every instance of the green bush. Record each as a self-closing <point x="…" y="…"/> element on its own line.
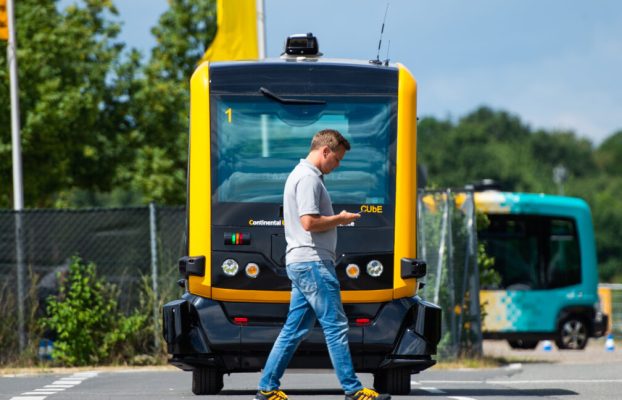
<point x="85" y="316"/>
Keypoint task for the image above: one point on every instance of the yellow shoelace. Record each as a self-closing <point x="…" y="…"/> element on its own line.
<point x="366" y="394"/>
<point x="276" y="395"/>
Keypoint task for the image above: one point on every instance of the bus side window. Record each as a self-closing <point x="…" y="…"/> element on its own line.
<point x="563" y="265"/>
<point x="513" y="244"/>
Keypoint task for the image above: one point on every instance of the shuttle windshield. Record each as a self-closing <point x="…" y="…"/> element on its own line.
<point x="260" y="140"/>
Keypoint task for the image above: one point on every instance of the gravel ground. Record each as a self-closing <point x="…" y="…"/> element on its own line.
<point x="593" y="353"/>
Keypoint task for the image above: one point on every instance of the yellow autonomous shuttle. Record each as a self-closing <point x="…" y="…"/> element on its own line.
<point x="251" y="122"/>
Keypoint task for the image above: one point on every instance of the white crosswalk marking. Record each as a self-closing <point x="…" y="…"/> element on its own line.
<point x="56" y="386"/>
<point x="28" y="398"/>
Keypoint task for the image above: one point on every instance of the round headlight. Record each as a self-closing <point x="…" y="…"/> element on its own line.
<point x="374" y="268"/>
<point x="252" y="270"/>
<point x="230" y="267"/>
<point x="353" y="271"/>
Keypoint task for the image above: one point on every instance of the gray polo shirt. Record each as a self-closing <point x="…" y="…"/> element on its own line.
<point x="305" y="194"/>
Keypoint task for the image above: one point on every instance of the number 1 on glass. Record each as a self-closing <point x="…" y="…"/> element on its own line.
<point x="228" y="111"/>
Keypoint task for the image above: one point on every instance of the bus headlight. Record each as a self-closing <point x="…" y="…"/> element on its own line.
<point x="375" y="268"/>
<point x="230" y="267"/>
<point x="252" y="270"/>
<point x="353" y="271"/>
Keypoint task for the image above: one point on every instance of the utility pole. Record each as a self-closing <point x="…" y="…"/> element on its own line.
<point x="560" y="174"/>
<point x="261" y="29"/>
<point x="18" y="190"/>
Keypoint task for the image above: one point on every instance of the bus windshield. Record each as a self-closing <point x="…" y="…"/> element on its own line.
<point x="260" y="140"/>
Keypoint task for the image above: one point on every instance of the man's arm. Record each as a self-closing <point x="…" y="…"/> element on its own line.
<point x="321" y="223"/>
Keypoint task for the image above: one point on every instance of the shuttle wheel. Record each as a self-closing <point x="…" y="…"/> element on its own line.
<point x="572" y="334"/>
<point x="394" y="381"/>
<point x="206" y="380"/>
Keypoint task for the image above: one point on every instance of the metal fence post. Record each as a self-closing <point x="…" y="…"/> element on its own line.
<point x="451" y="273"/>
<point x="21" y="277"/>
<point x="421" y="228"/>
<point x="154" y="272"/>
<point x="441" y="253"/>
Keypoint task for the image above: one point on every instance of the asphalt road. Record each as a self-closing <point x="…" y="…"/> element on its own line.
<point x="592" y="374"/>
<point x="517" y="381"/>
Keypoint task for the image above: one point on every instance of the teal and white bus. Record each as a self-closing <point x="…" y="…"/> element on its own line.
<point x="544" y="250"/>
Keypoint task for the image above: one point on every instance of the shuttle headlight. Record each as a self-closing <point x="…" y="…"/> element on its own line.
<point x="353" y="271"/>
<point x="252" y="270"/>
<point x="230" y="267"/>
<point x="375" y="268"/>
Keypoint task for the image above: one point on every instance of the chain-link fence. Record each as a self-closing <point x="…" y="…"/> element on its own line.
<point x="128" y="245"/>
<point x="447" y="240"/>
<point x="131" y="244"/>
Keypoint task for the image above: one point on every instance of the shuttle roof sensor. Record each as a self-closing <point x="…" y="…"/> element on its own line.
<point x="302" y="45"/>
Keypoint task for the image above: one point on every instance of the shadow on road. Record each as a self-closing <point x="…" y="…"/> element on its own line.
<point x="290" y="392"/>
<point x="500" y="392"/>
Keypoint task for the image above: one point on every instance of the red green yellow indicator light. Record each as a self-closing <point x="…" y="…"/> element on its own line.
<point x="237" y="238"/>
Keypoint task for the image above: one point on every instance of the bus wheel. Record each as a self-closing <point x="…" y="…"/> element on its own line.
<point x="523" y="344"/>
<point x="572" y="334"/>
<point x="394" y="381"/>
<point x="206" y="380"/>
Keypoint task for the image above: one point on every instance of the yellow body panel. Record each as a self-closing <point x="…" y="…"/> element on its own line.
<point x="200" y="190"/>
<point x="405" y="243"/>
<point x="270" y="296"/>
<point x="199" y="204"/>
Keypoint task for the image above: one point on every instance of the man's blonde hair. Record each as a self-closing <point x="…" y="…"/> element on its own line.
<point x="331" y="138"/>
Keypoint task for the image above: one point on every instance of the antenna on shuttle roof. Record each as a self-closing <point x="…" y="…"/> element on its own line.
<point x="377" y="60"/>
<point x="386" y="60"/>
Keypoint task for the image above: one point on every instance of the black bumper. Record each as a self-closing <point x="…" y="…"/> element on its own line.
<point x="201" y="332"/>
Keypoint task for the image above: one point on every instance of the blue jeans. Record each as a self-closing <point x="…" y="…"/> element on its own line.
<point x="315" y="294"/>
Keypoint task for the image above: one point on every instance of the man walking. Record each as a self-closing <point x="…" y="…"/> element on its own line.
<point x="311" y="234"/>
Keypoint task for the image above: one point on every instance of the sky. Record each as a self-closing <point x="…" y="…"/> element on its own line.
<point x="556" y="64"/>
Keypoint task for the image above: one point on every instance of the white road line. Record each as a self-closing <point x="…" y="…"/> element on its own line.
<point x="50" y="390"/>
<point x="522" y="382"/>
<point x="432" y="390"/>
<point x="414" y="383"/>
<point x="38" y="393"/>
<point x="460" y="398"/>
<point x="28" y="398"/>
<point x="66" y="382"/>
<point x="442" y="381"/>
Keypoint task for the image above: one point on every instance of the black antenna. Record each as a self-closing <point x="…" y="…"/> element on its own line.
<point x="386" y="60"/>
<point x="377" y="60"/>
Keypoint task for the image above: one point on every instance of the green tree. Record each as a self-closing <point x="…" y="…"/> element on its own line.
<point x="483" y="144"/>
<point x="160" y="107"/>
<point x="609" y="155"/>
<point x="603" y="191"/>
<point x="68" y="100"/>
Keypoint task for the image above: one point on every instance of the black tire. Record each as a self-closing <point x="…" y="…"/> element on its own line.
<point x="522" y="344"/>
<point x="206" y="381"/>
<point x="572" y="334"/>
<point x="393" y="381"/>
